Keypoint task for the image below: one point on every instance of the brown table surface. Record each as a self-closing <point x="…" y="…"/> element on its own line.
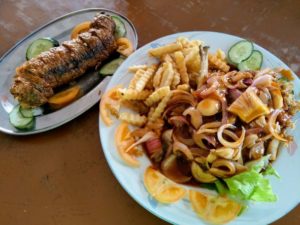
<point x="61" y="177"/>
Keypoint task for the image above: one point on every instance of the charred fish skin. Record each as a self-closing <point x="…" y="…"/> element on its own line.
<point x="35" y="79"/>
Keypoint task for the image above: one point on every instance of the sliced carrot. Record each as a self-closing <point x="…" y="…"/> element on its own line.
<point x="124" y="46"/>
<point x="64" y="98"/>
<point x="80" y="28"/>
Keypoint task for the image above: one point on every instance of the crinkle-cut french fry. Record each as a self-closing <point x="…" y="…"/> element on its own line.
<point x="136" y="106"/>
<point x="151" y="111"/>
<point x="192" y="60"/>
<point x="176" y="79"/>
<point x="158" y="52"/>
<point x="181" y="67"/>
<point x="114" y="108"/>
<point x="183" y="41"/>
<point x="138" y="74"/>
<point x="187" y="44"/>
<point x="220" y="54"/>
<point x="135" y="68"/>
<point x="160" y="108"/>
<point x="146" y="76"/>
<point x="166" y="58"/>
<point x="195" y="43"/>
<point x="131" y="94"/>
<point x="157" y="77"/>
<point x="217" y="63"/>
<point x="167" y="75"/>
<point x="183" y="87"/>
<point x="157" y="95"/>
<point x="149" y="85"/>
<point x="133" y="119"/>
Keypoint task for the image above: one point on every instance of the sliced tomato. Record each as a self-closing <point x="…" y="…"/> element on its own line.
<point x="64" y="98"/>
<point x="124" y="46"/>
<point x="161" y="188"/>
<point x="214" y="209"/>
<point x="124" y="140"/>
<point x="80" y="28"/>
<point x="106" y="101"/>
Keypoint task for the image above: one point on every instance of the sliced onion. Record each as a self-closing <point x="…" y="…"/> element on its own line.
<point x="148" y="136"/>
<point x="263" y="81"/>
<point x="208" y="131"/>
<point x="222" y="168"/>
<point x="226" y="82"/>
<point x="271" y="125"/>
<point x="224" y="110"/>
<point x="183" y="135"/>
<point x="250" y="140"/>
<point x="139" y="132"/>
<point x="171" y="169"/>
<point x="240" y="167"/>
<point x="224" y="152"/>
<point x="178" y="121"/>
<point x="240" y="76"/>
<point x="226" y="143"/>
<point x="154" y="149"/>
<point x="231" y="134"/>
<point x="262" y="72"/>
<point x="182" y="97"/>
<point x="213" y="88"/>
<point x="234" y="94"/>
<point x="254" y="130"/>
<point x="200" y="175"/>
<point x="182" y="149"/>
<point x="211" y="125"/>
<point x="199" y="152"/>
<point x="196" y="117"/>
<point x="257" y="150"/>
<point x="198" y="139"/>
<point x="167" y="136"/>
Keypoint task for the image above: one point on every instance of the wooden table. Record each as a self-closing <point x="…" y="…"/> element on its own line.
<point x="61" y="177"/>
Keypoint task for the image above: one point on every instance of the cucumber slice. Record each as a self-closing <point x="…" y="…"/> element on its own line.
<point x="240" y="51"/>
<point x="40" y="45"/>
<point x="111" y="67"/>
<point x="120" y="27"/>
<point x="254" y="62"/>
<point x="27" y="113"/>
<point x="31" y="112"/>
<point x="30" y="126"/>
<point x="18" y="121"/>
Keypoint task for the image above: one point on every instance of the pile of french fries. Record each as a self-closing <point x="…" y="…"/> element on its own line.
<point x="151" y="85"/>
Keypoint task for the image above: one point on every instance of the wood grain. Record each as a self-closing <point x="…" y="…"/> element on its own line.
<point x="61" y="177"/>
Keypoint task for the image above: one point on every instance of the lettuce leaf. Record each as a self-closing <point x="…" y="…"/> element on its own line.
<point x="271" y="171"/>
<point x="251" y="185"/>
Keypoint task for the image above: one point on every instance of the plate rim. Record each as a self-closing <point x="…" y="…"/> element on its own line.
<point x="106" y="152"/>
<point x="94" y="89"/>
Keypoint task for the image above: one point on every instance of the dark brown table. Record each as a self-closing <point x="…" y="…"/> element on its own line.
<point x="61" y="177"/>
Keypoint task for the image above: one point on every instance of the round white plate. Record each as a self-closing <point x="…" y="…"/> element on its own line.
<point x="287" y="188"/>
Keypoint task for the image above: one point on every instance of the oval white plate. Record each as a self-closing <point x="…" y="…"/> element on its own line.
<point x="288" y="166"/>
<point x="59" y="29"/>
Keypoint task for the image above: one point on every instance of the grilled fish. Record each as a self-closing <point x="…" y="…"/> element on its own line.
<point x="36" y="79"/>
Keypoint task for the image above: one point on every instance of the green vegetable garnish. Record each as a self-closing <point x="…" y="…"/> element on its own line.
<point x="251" y="185"/>
<point x="271" y="171"/>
